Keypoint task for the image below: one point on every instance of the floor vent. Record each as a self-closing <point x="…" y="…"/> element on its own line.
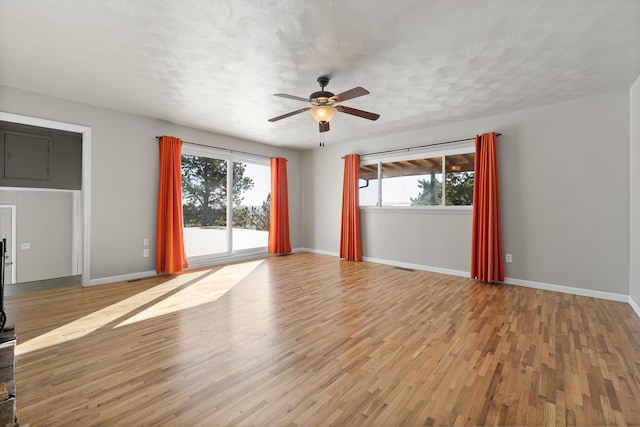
<point x="404" y="268"/>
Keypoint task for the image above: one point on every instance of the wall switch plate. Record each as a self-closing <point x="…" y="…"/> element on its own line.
<point x="145" y="253"/>
<point x="507" y="258"/>
<point x="145" y="242"/>
<point x="25" y="246"/>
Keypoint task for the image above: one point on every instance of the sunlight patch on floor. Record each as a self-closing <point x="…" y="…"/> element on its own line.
<point x="203" y="290"/>
<point x="182" y="292"/>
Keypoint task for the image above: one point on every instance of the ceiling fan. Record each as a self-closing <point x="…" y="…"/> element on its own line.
<point x="324" y="104"/>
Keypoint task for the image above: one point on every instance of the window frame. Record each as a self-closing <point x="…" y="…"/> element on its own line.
<point x="230" y="157"/>
<point x="414" y="154"/>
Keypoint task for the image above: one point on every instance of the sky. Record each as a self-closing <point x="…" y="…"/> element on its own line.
<point x="261" y="176"/>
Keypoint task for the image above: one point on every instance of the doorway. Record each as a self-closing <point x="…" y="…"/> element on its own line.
<point x="86" y="178"/>
<point x="8" y="232"/>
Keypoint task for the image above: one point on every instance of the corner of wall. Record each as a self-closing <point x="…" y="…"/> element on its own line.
<point x="634" y="305"/>
<point x="634" y="195"/>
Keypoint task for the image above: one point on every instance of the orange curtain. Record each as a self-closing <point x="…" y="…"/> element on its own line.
<point x="279" y="242"/>
<point x="170" y="254"/>
<point x="487" y="264"/>
<point x="350" y="243"/>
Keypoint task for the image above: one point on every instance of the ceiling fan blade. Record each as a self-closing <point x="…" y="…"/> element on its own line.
<point x="324" y="126"/>
<point x="350" y="94"/>
<point x="356" y="112"/>
<point x="293" y="113"/>
<point x="297" y="98"/>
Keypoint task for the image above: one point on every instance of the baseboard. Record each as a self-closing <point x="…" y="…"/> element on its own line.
<point x="396" y="263"/>
<point x="320" y="252"/>
<point x="122" y="278"/>
<point x="418" y="267"/>
<point x="567" y="289"/>
<point x="634" y="306"/>
<point x="250" y="256"/>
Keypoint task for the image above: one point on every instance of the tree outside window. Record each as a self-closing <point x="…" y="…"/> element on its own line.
<point x="419" y="181"/>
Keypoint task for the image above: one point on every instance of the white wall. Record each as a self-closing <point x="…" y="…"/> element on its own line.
<point x="565" y="197"/>
<point x="124" y="176"/>
<point x="634" y="137"/>
<point x="44" y="220"/>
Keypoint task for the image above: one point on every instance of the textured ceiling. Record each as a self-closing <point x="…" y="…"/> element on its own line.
<point x="215" y="64"/>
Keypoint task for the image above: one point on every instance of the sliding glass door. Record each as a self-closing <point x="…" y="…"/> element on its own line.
<point x="226" y="203"/>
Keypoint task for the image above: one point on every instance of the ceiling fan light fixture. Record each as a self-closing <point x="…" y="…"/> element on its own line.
<point x="323" y="113"/>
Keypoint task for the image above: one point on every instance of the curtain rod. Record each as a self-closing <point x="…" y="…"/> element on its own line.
<point x="223" y="149"/>
<point x="421" y="146"/>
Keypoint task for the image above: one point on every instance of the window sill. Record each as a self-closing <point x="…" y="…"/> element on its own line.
<point x="439" y="210"/>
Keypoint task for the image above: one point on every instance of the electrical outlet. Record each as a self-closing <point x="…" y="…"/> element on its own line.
<point x="25" y="246"/>
<point x="145" y="253"/>
<point x="145" y="242"/>
<point x="507" y="258"/>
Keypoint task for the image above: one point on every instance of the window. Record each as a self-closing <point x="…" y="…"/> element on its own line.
<point x="418" y="181"/>
<point x="225" y="202"/>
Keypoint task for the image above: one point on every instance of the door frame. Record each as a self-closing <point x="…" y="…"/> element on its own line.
<point x="86" y="177"/>
<point x="14" y="248"/>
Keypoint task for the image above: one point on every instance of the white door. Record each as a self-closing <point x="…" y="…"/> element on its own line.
<point x="7" y="231"/>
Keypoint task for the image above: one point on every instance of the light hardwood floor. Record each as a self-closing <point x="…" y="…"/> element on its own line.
<point x="311" y="340"/>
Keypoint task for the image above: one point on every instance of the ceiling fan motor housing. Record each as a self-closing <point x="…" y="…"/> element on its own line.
<point x="321" y="97"/>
